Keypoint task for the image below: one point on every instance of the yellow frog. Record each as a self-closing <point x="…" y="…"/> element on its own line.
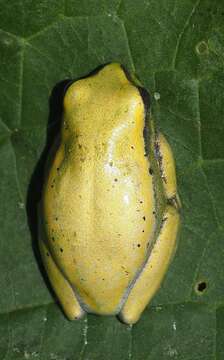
<point x="110" y="210"/>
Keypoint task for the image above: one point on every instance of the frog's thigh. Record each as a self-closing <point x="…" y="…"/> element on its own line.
<point x="165" y="160"/>
<point x="154" y="270"/>
<point x="61" y="287"/>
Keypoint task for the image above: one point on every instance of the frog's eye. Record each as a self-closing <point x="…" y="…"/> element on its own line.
<point x="77" y="93"/>
<point x="67" y="86"/>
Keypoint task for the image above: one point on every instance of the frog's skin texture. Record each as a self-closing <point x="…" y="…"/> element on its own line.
<point x="104" y="245"/>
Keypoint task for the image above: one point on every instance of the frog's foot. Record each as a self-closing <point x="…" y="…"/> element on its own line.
<point x="165" y="161"/>
<point x="62" y="288"/>
<point x="153" y="272"/>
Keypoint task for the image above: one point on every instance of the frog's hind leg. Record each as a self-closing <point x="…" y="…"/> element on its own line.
<point x="153" y="272"/>
<point x="155" y="268"/>
<point x="60" y="285"/>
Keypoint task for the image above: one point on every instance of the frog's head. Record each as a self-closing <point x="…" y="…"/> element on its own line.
<point x="106" y="100"/>
<point x="106" y="80"/>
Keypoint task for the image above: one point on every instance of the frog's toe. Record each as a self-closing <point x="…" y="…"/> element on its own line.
<point x="128" y="318"/>
<point x="73" y="311"/>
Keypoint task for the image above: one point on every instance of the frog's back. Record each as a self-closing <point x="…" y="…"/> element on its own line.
<point x="99" y="195"/>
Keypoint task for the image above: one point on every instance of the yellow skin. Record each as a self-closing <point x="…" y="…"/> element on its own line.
<point x="99" y="241"/>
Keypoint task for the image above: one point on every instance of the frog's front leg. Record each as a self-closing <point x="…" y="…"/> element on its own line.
<point x="62" y="288"/>
<point x="155" y="268"/>
<point x="165" y="162"/>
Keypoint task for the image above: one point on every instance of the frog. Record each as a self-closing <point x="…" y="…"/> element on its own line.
<point x="110" y="211"/>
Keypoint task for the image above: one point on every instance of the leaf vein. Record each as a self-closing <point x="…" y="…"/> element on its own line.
<point x="128" y="45"/>
<point x="176" y="50"/>
<point x="16" y="176"/>
<point x="85" y="342"/>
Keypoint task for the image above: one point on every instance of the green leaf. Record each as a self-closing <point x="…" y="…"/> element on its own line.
<point x="176" y="49"/>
